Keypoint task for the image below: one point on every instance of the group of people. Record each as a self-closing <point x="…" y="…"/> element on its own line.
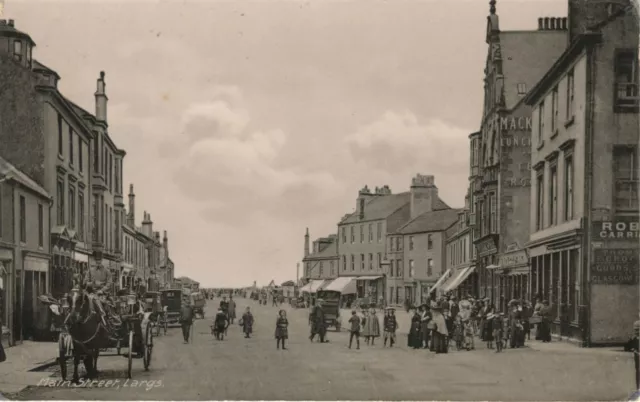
<point x="368" y="326"/>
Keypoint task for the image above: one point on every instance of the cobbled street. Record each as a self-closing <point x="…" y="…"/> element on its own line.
<point x="239" y="368"/>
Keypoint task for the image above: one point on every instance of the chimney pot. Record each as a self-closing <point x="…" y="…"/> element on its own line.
<point x="540" y="27"/>
<point x="546" y="23"/>
<point x="102" y="75"/>
<point x="11" y="23"/>
<point x="131" y="188"/>
<point x="552" y="23"/>
<point x="564" y="23"/>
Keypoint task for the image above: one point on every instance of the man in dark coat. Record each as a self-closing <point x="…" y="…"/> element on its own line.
<point x="316" y="319"/>
<point x="186" y="320"/>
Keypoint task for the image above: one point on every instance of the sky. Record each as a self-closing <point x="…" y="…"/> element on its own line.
<point x="246" y="122"/>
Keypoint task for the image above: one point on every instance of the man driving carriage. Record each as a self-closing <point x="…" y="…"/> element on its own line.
<point x="98" y="282"/>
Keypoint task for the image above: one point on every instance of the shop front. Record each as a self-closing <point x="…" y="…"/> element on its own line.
<point x="35" y="315"/>
<point x="371" y="288"/>
<point x="457" y="279"/>
<point x="7" y="297"/>
<point x="487" y="255"/>
<point x="437" y="287"/>
<point x="511" y="277"/>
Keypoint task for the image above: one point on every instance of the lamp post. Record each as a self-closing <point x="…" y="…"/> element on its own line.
<point x="384" y="264"/>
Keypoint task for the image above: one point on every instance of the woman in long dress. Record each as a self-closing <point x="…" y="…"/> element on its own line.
<point x="440" y="332"/>
<point x="414" y="340"/>
<point x="373" y="326"/>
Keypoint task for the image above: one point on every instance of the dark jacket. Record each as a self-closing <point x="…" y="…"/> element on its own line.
<point x="186" y="314"/>
<point x="390" y="323"/>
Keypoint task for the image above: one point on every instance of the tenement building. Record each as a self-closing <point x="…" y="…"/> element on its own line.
<point x="24" y="254"/>
<point x="106" y="185"/>
<point x="459" y="252"/>
<point x="49" y="143"/>
<point x="420" y="243"/>
<point x="516" y="60"/>
<point x="583" y="245"/>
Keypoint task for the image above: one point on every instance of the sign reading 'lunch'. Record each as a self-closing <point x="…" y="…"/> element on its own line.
<point x="615" y="266"/>
<point x="620" y="229"/>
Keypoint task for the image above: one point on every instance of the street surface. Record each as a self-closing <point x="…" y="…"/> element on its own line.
<point x="252" y="369"/>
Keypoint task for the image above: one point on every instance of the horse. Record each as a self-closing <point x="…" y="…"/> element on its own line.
<point x="88" y="332"/>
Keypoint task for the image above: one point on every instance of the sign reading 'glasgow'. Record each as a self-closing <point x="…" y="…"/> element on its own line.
<point x="615" y="266"/>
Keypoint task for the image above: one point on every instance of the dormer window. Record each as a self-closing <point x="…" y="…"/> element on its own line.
<point x="17" y="50"/>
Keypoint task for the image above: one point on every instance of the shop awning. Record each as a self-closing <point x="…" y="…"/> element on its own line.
<point x="305" y="288"/>
<point x="441" y="280"/>
<point x="344" y="284"/>
<point x="312" y="286"/>
<point x="368" y="278"/>
<point x="458" y="279"/>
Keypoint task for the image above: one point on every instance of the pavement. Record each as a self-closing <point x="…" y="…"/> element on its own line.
<point x="253" y="369"/>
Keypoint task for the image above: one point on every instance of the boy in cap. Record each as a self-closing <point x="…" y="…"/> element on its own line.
<point x="354" y="329"/>
<point x="390" y="326"/>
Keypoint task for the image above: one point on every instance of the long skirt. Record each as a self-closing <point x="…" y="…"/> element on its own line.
<point x="414" y="340"/>
<point x="439" y="342"/>
<point x="544" y="331"/>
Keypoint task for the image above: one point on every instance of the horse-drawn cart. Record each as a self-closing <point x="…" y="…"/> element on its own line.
<point x="132" y="331"/>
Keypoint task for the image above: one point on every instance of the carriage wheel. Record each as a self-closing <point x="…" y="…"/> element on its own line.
<point x="130" y="357"/>
<point x="62" y="357"/>
<point x="148" y="347"/>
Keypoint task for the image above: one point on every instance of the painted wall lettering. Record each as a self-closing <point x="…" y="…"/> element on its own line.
<point x="615" y="267"/>
<point x="621" y="228"/>
<point x="515" y="123"/>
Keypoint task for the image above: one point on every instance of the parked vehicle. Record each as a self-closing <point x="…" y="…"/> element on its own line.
<point x="172" y="300"/>
<point x="153" y="305"/>
<point x="331" y="307"/>
<point x="198" y="301"/>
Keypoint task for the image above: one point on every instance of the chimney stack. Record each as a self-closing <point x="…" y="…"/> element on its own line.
<point x="306" y="243"/>
<point x="147" y="226"/>
<point x="424" y="195"/>
<point x="101" y="99"/>
<point x="564" y="23"/>
<point x="546" y="23"/>
<point x="131" y="217"/>
<point x="364" y="195"/>
<point x="11" y="23"/>
<point x="540" y="26"/>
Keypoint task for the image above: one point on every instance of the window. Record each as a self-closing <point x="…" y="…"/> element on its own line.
<point x="494" y="213"/>
<point x="23" y="219"/>
<point x="522" y="89"/>
<point x="570" y="94"/>
<point x="353" y="235"/>
<point x="353" y="262"/>
<point x="371" y="233"/>
<point x="70" y="145"/>
<point x="96" y="156"/>
<point x="379" y="232"/>
<point x="553" y="196"/>
<point x="399" y="243"/>
<point x="554" y="110"/>
<point x="60" y="200"/>
<point x="60" y="139"/>
<point x="1" y="211"/>
<point x="96" y="218"/>
<point x="344" y="263"/>
<point x="482" y="217"/>
<point x="568" y="188"/>
<point x="361" y="262"/>
<point x="626" y="70"/>
<point x="540" y="123"/>
<point x="116" y="228"/>
<point x="344" y="235"/>
<point x="379" y="260"/>
<point x="29" y="54"/>
<point x="321" y="269"/>
<point x="392" y="244"/>
<point x="370" y="262"/>
<point x="331" y="268"/>
<point x="361" y="233"/>
<point x="540" y="201"/>
<point x="626" y="177"/>
<point x="429" y="267"/>
<point x="399" y="268"/>
<point x="110" y="173"/>
<point x="40" y="226"/>
<point x="412" y="270"/>
<point x="80" y="155"/>
<point x="17" y="50"/>
<point x="429" y="242"/>
<point x="410" y="242"/>
<point x="72" y="208"/>
<point x="392" y="268"/>
<point x="81" y="216"/>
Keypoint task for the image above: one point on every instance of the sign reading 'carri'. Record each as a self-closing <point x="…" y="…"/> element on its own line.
<point x="621" y="229"/>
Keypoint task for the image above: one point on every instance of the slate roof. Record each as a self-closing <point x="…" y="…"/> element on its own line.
<point x="10" y="171"/>
<point x="39" y="66"/>
<point x="331" y="251"/>
<point x="432" y="221"/>
<point x="526" y="57"/>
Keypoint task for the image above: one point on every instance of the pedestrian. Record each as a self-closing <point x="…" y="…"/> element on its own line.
<point x="498" y="331"/>
<point x="282" y="331"/>
<point x="373" y="326"/>
<point x="544" y="328"/>
<point x="440" y="333"/>
<point x="390" y="325"/>
<point x="186" y="320"/>
<point x="414" y="340"/>
<point x="220" y="324"/>
<point x="365" y="328"/>
<point x="247" y="323"/>
<point x="231" y="309"/>
<point x="425" y="325"/>
<point x="317" y="321"/>
<point x="488" y="330"/>
<point x="354" y="330"/>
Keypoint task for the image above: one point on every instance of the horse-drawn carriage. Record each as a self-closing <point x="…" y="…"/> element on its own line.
<point x="157" y="316"/>
<point x="88" y="332"/>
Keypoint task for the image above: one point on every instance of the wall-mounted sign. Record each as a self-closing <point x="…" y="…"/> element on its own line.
<point x="620" y="228"/>
<point x="615" y="266"/>
<point x="516" y="123"/>
<point x="486" y="247"/>
<point x="513" y="259"/>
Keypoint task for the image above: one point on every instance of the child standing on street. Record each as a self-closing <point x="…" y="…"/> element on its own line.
<point x="390" y="326"/>
<point x="282" y="332"/>
<point x="498" y="331"/>
<point x="365" y="328"/>
<point x="247" y="323"/>
<point x="354" y="329"/>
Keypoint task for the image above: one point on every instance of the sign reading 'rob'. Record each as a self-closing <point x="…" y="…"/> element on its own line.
<point x="622" y="228"/>
<point x="615" y="266"/>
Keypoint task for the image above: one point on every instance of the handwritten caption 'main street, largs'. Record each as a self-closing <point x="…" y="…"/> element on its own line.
<point x="147" y="385"/>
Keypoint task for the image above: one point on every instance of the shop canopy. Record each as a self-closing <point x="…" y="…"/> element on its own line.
<point x="344" y="284"/>
<point x="458" y="279"/>
<point x="312" y="286"/>
<point x="368" y="278"/>
<point x="441" y="280"/>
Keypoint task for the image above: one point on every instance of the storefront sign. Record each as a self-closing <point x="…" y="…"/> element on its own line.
<point x="615" y="266"/>
<point x="621" y="228"/>
<point x="516" y="123"/>
<point x="487" y="247"/>
<point x="514" y="259"/>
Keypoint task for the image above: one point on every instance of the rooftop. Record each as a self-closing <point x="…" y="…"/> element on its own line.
<point x="330" y="251"/>
<point x="9" y="171"/>
<point x="432" y="221"/>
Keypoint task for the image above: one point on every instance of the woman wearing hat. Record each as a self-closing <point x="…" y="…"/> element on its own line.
<point x="425" y="319"/>
<point x="414" y="341"/>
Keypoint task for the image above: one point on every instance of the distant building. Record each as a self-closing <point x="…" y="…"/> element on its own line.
<point x="583" y="246"/>
<point x="459" y="258"/>
<point x="24" y="254"/>
<point x="420" y="243"/>
<point x="501" y="158"/>
<point x="321" y="261"/>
